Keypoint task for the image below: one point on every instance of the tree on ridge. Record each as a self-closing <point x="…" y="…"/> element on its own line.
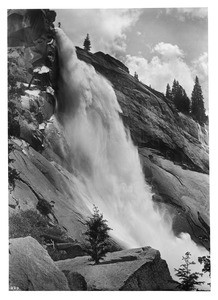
<point x="87" y="43"/>
<point x="197" y="103"/>
<point x="168" y="92"/>
<point x="179" y="97"/>
<point x="136" y="76"/>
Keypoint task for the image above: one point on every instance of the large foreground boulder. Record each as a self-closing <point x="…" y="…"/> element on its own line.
<point x="31" y="268"/>
<point x="140" y="269"/>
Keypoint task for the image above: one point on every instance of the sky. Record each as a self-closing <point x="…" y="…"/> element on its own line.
<point x="160" y="44"/>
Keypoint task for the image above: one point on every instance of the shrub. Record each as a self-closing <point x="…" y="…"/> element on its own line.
<point x="188" y="279"/>
<point x="205" y="260"/>
<point x="44" y="207"/>
<point x="12" y="173"/>
<point x="13" y="119"/>
<point x="31" y="223"/>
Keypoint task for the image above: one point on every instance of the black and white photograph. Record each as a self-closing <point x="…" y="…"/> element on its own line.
<point x="108" y="149"/>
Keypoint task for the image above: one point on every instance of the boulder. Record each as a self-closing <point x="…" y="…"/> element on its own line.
<point x="31" y="268"/>
<point x="76" y="281"/>
<point x="140" y="269"/>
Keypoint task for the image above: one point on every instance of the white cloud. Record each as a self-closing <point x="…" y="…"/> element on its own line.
<point x="167" y="64"/>
<point x="107" y="28"/>
<point x="168" y="51"/>
<point x="191" y="13"/>
<point x="163" y="68"/>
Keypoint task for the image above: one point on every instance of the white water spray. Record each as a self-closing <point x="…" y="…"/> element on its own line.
<point x="110" y="174"/>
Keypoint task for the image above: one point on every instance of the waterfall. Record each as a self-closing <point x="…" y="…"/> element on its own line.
<point x="108" y="164"/>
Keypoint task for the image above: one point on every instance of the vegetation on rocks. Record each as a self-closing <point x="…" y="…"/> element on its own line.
<point x="87" y="43"/>
<point x="12" y="172"/>
<point x="188" y="280"/>
<point x="31" y="223"/>
<point x="197" y="107"/>
<point x="179" y="97"/>
<point x="136" y="76"/>
<point x="97" y="236"/>
<point x="205" y="261"/>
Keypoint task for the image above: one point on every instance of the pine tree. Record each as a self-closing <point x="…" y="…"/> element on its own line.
<point x="182" y="101"/>
<point x="97" y="236"/>
<point x="174" y="88"/>
<point x="197" y="106"/>
<point x="136" y="76"/>
<point x="180" y="98"/>
<point x="87" y="43"/>
<point x="168" y="92"/>
<point x="188" y="279"/>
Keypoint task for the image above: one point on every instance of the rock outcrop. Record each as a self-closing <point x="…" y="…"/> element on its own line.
<point x="140" y="269"/>
<point x="32" y="269"/>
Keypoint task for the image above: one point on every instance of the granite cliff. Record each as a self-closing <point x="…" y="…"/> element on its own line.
<point x="173" y="148"/>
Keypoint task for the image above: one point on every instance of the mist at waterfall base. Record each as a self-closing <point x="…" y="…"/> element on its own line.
<point x="108" y="164"/>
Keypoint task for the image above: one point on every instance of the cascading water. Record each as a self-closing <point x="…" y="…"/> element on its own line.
<point x="110" y="174"/>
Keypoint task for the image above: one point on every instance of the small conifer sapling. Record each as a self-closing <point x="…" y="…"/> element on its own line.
<point x="97" y="237"/>
<point x="87" y="43"/>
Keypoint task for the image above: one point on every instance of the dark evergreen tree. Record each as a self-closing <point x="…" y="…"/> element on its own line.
<point x="87" y="43"/>
<point x="136" y="76"/>
<point x="168" y="92"/>
<point x="180" y="98"/>
<point x="197" y="106"/>
<point x="97" y="236"/>
<point x="174" y="88"/>
<point x="182" y="101"/>
<point x="188" y="280"/>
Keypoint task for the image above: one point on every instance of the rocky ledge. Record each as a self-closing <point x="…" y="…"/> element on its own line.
<point x="140" y="269"/>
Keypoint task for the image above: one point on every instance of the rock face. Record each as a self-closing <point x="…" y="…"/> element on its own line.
<point x="32" y="269"/>
<point x="183" y="192"/>
<point x="42" y="179"/>
<point x="173" y="148"/>
<point x="140" y="269"/>
<point x="153" y="119"/>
